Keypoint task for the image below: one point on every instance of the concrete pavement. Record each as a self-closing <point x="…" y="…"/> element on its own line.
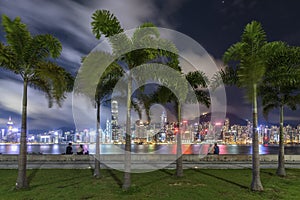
<point x="146" y="162"/>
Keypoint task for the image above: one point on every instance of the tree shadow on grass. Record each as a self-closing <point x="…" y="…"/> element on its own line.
<point x="67" y="180"/>
<point x="157" y="179"/>
<point x="267" y="172"/>
<point x="113" y="175"/>
<point x="166" y="172"/>
<point x="262" y="170"/>
<point x="222" y="179"/>
<point x="32" y="175"/>
<point x="68" y="185"/>
<point x="34" y="172"/>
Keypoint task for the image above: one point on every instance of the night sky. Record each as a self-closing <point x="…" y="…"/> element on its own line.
<point x="214" y="24"/>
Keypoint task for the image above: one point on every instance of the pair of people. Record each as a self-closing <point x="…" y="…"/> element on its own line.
<point x="214" y="149"/>
<point x="80" y="151"/>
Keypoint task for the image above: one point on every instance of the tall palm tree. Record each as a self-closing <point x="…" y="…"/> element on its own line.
<point x="280" y="87"/>
<point x="103" y="92"/>
<point x="105" y="23"/>
<point x="199" y="84"/>
<point x="249" y="64"/>
<point x="28" y="56"/>
<point x="87" y="80"/>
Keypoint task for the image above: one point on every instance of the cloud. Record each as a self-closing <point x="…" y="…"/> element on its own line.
<point x="38" y="112"/>
<point x="69" y="21"/>
<point x="131" y="13"/>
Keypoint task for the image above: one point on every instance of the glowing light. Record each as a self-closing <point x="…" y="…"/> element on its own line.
<point x="15" y="130"/>
<point x="218" y="123"/>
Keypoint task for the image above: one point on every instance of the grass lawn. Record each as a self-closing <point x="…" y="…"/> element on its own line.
<point x="196" y="184"/>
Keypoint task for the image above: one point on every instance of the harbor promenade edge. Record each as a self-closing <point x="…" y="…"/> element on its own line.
<point x="146" y="161"/>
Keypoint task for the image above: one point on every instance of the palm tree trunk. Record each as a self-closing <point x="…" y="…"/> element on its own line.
<point x="127" y="167"/>
<point x="256" y="183"/>
<point x="22" y="181"/>
<point x="97" y="156"/>
<point x="281" y="169"/>
<point x="179" y="165"/>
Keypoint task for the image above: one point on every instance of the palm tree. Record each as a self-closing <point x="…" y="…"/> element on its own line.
<point x="250" y="68"/>
<point x="196" y="93"/>
<point x="28" y="56"/>
<point x="280" y="87"/>
<point x="87" y="80"/>
<point x="103" y="91"/>
<point x="105" y="23"/>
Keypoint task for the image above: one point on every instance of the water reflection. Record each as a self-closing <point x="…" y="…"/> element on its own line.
<point x="200" y="149"/>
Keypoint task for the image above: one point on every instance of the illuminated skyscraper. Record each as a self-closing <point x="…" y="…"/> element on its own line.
<point x="226" y="125"/>
<point x="225" y="129"/>
<point x="163" y="119"/>
<point x="108" y="132"/>
<point x="11" y="134"/>
<point x="10" y="125"/>
<point x="114" y="120"/>
<point x="163" y="123"/>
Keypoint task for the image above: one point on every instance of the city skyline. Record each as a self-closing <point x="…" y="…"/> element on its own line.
<point x="160" y="132"/>
<point x="214" y="24"/>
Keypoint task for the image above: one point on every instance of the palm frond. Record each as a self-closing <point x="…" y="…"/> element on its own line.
<point x="197" y="79"/>
<point x="203" y="97"/>
<point x="51" y="78"/>
<point x="227" y="75"/>
<point x="7" y="58"/>
<point x="234" y="53"/>
<point x="91" y="70"/>
<point x="292" y="101"/>
<point x="105" y="23"/>
<point x="267" y="108"/>
<point x="17" y="34"/>
<point x="254" y="36"/>
<point x="136" y="107"/>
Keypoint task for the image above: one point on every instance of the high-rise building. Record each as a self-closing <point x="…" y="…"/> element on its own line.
<point x="10" y="125"/>
<point x="11" y="134"/>
<point x="114" y="120"/>
<point x="107" y="132"/>
<point x="226" y="124"/>
<point x="163" y="120"/>
<point x="140" y="130"/>
<point x="249" y="129"/>
<point x="225" y="129"/>
<point x="3" y="134"/>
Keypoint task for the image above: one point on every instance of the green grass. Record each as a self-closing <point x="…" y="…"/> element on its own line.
<point x="161" y="184"/>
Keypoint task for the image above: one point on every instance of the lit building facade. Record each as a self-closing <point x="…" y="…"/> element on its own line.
<point x="11" y="133"/>
<point x="114" y="121"/>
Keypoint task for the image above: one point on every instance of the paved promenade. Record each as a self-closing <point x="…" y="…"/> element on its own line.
<point x="145" y="166"/>
<point x="146" y="162"/>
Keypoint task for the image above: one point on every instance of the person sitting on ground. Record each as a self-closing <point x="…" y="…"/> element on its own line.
<point x="85" y="150"/>
<point x="216" y="149"/>
<point x="80" y="150"/>
<point x="69" y="149"/>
